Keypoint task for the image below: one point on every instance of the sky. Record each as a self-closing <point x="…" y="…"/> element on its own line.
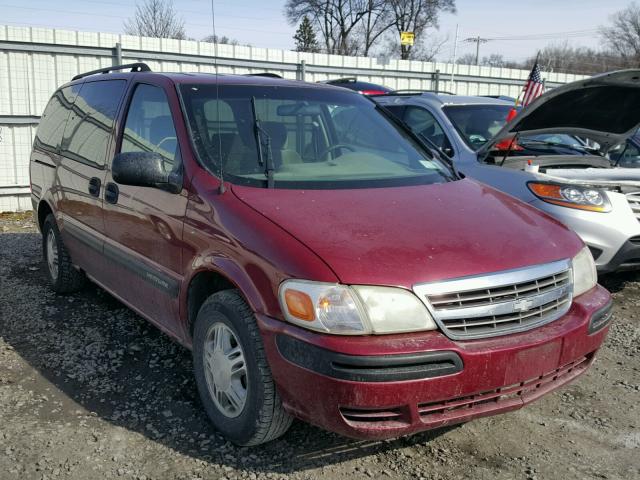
<point x="515" y="28"/>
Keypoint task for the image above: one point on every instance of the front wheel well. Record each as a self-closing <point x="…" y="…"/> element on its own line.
<point x="201" y="287"/>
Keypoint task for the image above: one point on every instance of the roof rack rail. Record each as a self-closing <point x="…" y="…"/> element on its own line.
<point x="263" y="74"/>
<point x="135" y="67"/>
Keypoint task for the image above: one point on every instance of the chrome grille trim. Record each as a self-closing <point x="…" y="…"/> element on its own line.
<point x="634" y="202"/>
<point x="499" y="303"/>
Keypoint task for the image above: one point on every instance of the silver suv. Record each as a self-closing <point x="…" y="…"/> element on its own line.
<point x="546" y="155"/>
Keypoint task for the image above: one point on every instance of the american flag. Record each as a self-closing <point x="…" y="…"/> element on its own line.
<point x="534" y="86"/>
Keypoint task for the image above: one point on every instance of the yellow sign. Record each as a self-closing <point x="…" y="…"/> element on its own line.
<point x="406" y="38"/>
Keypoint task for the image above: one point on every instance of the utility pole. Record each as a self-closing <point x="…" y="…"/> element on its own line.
<point x="477" y="40"/>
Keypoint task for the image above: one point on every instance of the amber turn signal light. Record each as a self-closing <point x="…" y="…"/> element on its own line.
<point x="299" y="305"/>
<point x="546" y="190"/>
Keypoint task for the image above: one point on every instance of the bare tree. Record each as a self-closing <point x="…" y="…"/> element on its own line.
<point x="428" y="48"/>
<point x="562" y="57"/>
<point x="417" y="16"/>
<point x="335" y="19"/>
<point x="623" y="34"/>
<point x="156" y="18"/>
<point x="223" y="40"/>
<point x="466" y="59"/>
<point x="375" y="23"/>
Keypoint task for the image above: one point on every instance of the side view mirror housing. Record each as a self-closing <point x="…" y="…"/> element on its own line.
<point x="145" y="169"/>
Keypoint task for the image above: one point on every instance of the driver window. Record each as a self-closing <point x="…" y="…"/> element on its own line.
<point x="149" y="126"/>
<point x="424" y="124"/>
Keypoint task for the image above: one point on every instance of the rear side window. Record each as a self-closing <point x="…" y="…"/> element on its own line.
<point x="149" y="126"/>
<point x="90" y="125"/>
<point x="424" y="124"/>
<point x="54" y="119"/>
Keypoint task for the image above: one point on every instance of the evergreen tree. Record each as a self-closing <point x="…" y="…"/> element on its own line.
<point x="305" y="37"/>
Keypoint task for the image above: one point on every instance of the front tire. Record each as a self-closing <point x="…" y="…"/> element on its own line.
<point x="63" y="275"/>
<point x="232" y="374"/>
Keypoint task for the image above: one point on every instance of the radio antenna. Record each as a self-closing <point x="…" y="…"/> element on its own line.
<point x="221" y="189"/>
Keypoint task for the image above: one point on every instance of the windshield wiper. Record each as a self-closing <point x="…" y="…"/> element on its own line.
<point x="261" y="133"/>
<point x="575" y="148"/>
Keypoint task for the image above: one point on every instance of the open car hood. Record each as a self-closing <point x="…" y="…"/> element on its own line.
<point x="603" y="108"/>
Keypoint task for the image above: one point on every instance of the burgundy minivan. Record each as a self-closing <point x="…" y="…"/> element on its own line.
<point x="319" y="261"/>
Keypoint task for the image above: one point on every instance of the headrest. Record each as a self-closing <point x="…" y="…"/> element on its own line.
<point x="160" y="128"/>
<point x="277" y="132"/>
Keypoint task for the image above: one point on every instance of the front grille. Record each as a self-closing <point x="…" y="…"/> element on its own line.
<point x="469" y="403"/>
<point x="494" y="295"/>
<point x="499" y="303"/>
<point x="634" y="202"/>
<point x="635" y="240"/>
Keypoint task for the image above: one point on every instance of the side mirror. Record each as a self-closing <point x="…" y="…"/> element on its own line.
<point x="144" y="169"/>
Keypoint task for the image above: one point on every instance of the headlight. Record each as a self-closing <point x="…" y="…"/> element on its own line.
<point x="353" y="310"/>
<point x="572" y="196"/>
<point x="585" y="276"/>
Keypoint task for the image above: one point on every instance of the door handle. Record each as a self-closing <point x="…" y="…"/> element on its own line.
<point x="111" y="193"/>
<point x="94" y="187"/>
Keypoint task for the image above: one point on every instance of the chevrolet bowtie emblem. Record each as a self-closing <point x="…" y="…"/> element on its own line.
<point x="522" y="305"/>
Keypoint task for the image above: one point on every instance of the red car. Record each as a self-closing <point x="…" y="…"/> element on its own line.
<point x="319" y="262"/>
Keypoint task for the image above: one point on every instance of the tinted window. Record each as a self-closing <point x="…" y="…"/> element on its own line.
<point x="477" y="124"/>
<point x="54" y="119"/>
<point x="88" y="131"/>
<point x="423" y="123"/>
<point x="149" y="126"/>
<point x="316" y="138"/>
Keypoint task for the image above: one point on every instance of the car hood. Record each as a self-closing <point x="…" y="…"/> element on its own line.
<point x="603" y="108"/>
<point x="407" y="235"/>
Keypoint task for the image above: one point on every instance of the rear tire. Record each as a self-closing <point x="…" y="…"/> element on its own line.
<point x="63" y="275"/>
<point x="232" y="374"/>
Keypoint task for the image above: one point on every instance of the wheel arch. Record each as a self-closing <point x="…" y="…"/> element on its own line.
<point x="223" y="274"/>
<point x="44" y="209"/>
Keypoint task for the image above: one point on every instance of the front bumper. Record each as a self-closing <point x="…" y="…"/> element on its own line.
<point x="610" y="235"/>
<point x="626" y="258"/>
<point x="336" y="382"/>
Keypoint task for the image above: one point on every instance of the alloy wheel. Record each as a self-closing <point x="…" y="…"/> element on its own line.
<point x="225" y="370"/>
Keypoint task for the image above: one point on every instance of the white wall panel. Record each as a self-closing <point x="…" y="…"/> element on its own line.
<point x="15" y="148"/>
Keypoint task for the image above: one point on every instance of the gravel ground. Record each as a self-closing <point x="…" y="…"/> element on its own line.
<point x="89" y="390"/>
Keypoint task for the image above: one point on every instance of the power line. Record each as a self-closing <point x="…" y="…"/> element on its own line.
<point x="543" y="36"/>
<point x="477" y="40"/>
<point x="121" y="17"/>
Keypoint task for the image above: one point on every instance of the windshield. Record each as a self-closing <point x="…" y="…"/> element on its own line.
<point x="309" y="138"/>
<point x="477" y="124"/>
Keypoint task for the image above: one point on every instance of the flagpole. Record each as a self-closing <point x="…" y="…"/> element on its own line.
<point x="522" y="91"/>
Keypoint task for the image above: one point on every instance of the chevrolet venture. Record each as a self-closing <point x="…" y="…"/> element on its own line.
<point x="317" y="259"/>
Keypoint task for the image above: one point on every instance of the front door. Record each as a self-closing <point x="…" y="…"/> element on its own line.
<point x="143" y="225"/>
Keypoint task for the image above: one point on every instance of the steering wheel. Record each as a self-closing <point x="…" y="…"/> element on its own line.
<point x="334" y="147"/>
<point x="164" y="159"/>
